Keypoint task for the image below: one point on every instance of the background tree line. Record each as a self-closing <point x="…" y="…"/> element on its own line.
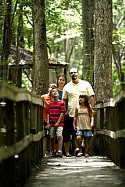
<point x="88" y="34"/>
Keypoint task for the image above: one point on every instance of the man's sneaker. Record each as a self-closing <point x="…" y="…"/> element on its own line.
<point x="59" y="154"/>
<point x="68" y="155"/>
<point x="76" y="151"/>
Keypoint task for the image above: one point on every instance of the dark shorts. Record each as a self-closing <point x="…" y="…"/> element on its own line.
<point x="68" y="130"/>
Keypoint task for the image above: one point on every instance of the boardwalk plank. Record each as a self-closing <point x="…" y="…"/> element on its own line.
<point x="77" y="172"/>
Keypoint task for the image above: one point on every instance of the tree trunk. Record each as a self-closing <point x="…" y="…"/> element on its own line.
<point x="103" y="50"/>
<point x="41" y="65"/>
<point x="88" y="39"/>
<point x="6" y="42"/>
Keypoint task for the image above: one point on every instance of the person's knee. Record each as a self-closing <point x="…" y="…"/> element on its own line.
<point x="66" y="139"/>
<point x="59" y="138"/>
<point x="78" y="138"/>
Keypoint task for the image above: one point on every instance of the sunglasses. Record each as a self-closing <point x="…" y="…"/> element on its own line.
<point x="72" y="72"/>
<point x="52" y="86"/>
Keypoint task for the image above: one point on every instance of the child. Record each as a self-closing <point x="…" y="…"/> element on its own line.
<point x="47" y="99"/>
<point x="56" y="110"/>
<point x="83" y="123"/>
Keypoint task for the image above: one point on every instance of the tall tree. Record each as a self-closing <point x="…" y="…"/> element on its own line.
<point x="88" y="39"/>
<point x="20" y="43"/>
<point x="6" y="40"/>
<point x="41" y="65"/>
<point x="103" y="50"/>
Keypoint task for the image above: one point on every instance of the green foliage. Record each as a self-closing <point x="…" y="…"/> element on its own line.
<point x="63" y="20"/>
<point x="116" y="81"/>
<point x="26" y="83"/>
<point x="119" y="43"/>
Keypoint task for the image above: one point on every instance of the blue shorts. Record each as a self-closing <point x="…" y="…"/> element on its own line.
<point x="85" y="133"/>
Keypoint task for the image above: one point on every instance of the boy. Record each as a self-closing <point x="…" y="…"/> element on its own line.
<point x="56" y="111"/>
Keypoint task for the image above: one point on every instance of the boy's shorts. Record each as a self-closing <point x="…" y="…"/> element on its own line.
<point x="56" y="131"/>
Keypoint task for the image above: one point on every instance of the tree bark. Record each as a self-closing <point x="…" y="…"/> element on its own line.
<point x="88" y="39"/>
<point x="6" y="41"/>
<point x="103" y="51"/>
<point x="41" y="65"/>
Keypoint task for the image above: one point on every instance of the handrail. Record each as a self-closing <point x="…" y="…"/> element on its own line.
<point x="17" y="94"/>
<point x="110" y="128"/>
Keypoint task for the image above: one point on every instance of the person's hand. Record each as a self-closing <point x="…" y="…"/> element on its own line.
<point x="92" y="125"/>
<point x="75" y="127"/>
<point x="93" y="111"/>
<point x="48" y="126"/>
<point x="66" y="114"/>
<point x="56" y="125"/>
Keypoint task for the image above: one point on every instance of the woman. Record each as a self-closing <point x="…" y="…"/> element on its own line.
<point x="62" y="80"/>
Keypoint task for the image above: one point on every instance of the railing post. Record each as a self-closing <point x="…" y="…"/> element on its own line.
<point x="99" y="126"/>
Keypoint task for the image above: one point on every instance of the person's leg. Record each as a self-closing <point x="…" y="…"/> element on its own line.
<point x="59" y="131"/>
<point x="78" y="150"/>
<point x="47" y="139"/>
<point x="86" y="141"/>
<point x="66" y="135"/>
<point x="87" y="137"/>
<point x="73" y="133"/>
<point x="56" y="144"/>
<point x="47" y="143"/>
<point x="67" y="146"/>
<point x="52" y="140"/>
<point x="60" y="143"/>
<point x="59" y="136"/>
<point x="79" y="139"/>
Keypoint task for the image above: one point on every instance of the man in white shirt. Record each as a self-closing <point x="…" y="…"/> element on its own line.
<point x="71" y="92"/>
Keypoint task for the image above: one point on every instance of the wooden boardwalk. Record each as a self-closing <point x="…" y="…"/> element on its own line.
<point x="77" y="172"/>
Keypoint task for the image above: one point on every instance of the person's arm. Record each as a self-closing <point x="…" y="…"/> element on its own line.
<point x="66" y="105"/>
<point x="91" y="121"/>
<point x="48" y="124"/>
<point x="59" y="120"/>
<point x="91" y="116"/>
<point x="92" y="103"/>
<point x="75" y="119"/>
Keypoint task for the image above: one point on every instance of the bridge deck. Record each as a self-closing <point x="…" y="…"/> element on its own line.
<point x="77" y="172"/>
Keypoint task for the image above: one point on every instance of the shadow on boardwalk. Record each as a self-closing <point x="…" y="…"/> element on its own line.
<point x="77" y="172"/>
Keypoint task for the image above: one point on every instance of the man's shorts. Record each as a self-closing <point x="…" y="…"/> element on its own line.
<point x="84" y="133"/>
<point x="68" y="129"/>
<point x="56" y="131"/>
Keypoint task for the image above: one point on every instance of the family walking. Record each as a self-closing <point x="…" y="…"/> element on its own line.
<point x="69" y="113"/>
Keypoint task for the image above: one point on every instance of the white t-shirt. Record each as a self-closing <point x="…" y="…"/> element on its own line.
<point x="72" y="91"/>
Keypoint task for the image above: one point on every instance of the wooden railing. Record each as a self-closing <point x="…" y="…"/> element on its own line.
<point x="110" y="129"/>
<point x="21" y="135"/>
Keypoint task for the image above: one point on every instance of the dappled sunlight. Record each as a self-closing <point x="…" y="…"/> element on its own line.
<point x="57" y="167"/>
<point x="78" y="172"/>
